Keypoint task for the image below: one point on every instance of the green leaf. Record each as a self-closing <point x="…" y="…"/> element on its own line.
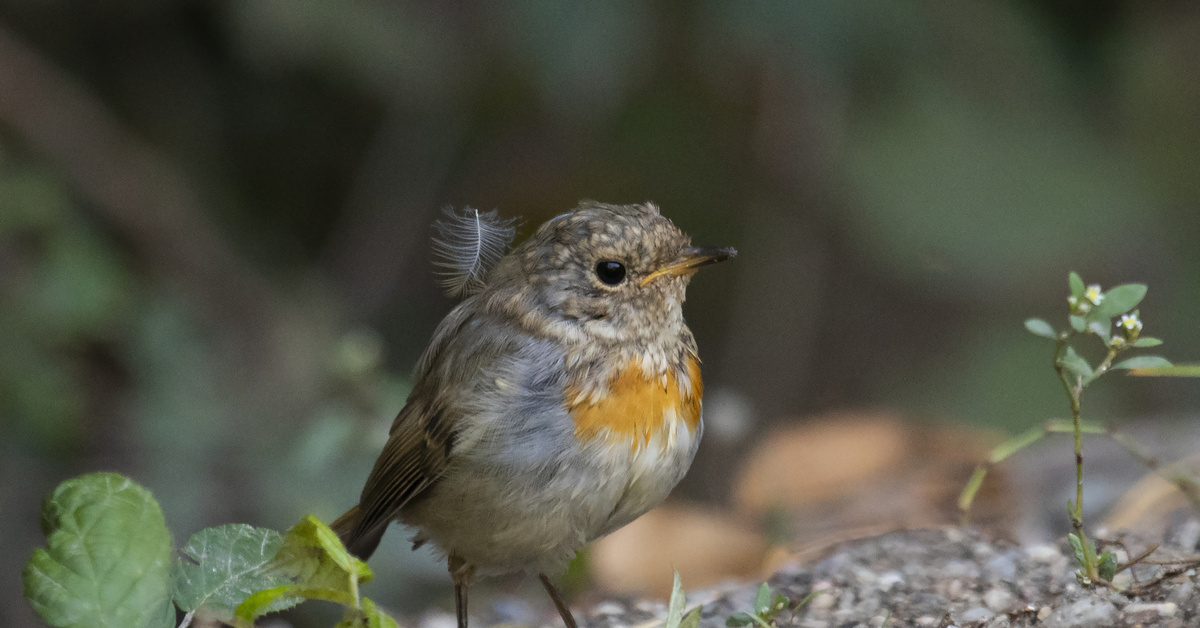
<point x="1101" y="328"/>
<point x="227" y="565"/>
<point x="1108" y="565"/>
<point x="1143" y="362"/>
<point x="318" y="566"/>
<point x="1076" y="547"/>
<point x="1178" y="370"/>
<point x="261" y="602"/>
<point x="1076" y="283"/>
<point x="762" y="599"/>
<point x="1146" y="342"/>
<point x="1075" y="363"/>
<point x="737" y="620"/>
<point x="1039" y="327"/>
<point x="675" y="605"/>
<point x="1118" y="300"/>
<point x="1078" y="323"/>
<point x="692" y="619"/>
<point x="107" y="559"/>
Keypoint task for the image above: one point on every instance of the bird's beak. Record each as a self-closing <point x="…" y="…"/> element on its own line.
<point x="689" y="260"/>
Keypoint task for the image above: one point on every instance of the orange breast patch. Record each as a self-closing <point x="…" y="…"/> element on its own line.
<point x="636" y="407"/>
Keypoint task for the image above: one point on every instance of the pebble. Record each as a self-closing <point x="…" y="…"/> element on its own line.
<point x="865" y="576"/>
<point x="1042" y="553"/>
<point x="1001" y="567"/>
<point x="888" y="580"/>
<point x="997" y="599"/>
<point x="927" y="620"/>
<point x="1184" y="592"/>
<point x="976" y="614"/>
<point x="1188" y="534"/>
<point x="1145" y="612"/>
<point x="961" y="568"/>
<point x="823" y="602"/>
<point x="1086" y="613"/>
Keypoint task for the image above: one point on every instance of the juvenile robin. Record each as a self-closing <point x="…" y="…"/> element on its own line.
<point x="558" y="402"/>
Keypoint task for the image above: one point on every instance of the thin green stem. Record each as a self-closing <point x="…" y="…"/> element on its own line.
<point x="1073" y="386"/>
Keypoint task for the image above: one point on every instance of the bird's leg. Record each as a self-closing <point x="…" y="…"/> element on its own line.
<point x="461" y="573"/>
<point x="460" y="604"/>
<point x="563" y="611"/>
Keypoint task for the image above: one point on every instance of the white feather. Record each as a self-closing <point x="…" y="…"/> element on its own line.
<point x="468" y="246"/>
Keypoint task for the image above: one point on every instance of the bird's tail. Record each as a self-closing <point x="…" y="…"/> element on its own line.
<point x="361" y="543"/>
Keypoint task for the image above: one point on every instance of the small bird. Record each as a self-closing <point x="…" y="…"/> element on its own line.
<point x="559" y="401"/>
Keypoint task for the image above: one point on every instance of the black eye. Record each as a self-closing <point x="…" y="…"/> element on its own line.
<point x="610" y="271"/>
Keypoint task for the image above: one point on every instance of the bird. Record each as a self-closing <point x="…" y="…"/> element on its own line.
<point x="557" y="402"/>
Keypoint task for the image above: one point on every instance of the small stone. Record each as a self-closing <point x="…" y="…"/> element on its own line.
<point x="1086" y="613"/>
<point x="1044" y="612"/>
<point x="1042" y="553"/>
<point x="877" y="621"/>
<point x="1001" y="567"/>
<point x="888" y="580"/>
<point x="926" y="620"/>
<point x="1188" y="534"/>
<point x="961" y="568"/>
<point x="1145" y="612"/>
<point x="1184" y="592"/>
<point x="865" y="576"/>
<point x="997" y="599"/>
<point x="823" y="602"/>
<point x="982" y="550"/>
<point x="608" y="608"/>
<point x="976" y="614"/>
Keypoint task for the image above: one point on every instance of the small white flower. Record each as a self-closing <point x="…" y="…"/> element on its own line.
<point x="1094" y="294"/>
<point x="1130" y="323"/>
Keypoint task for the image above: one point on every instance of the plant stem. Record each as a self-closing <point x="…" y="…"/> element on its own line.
<point x="1073" y="386"/>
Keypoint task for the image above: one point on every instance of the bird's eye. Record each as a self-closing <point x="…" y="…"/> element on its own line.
<point x="610" y="271"/>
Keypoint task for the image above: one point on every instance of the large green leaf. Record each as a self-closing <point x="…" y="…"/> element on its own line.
<point x="1143" y="362"/>
<point x="107" y="558"/>
<point x="222" y="566"/>
<point x="1119" y="300"/>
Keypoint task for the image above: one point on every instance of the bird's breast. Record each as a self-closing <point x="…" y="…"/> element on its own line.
<point x="636" y="407"/>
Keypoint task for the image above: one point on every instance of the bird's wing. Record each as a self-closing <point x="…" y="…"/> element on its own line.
<point x="412" y="460"/>
<point x="422" y="437"/>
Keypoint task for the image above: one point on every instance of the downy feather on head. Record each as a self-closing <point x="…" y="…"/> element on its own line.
<point x="468" y="245"/>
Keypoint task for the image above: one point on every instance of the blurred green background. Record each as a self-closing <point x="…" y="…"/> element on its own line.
<point x="214" y="217"/>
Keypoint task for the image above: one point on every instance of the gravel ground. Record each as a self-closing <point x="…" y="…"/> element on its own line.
<point x="953" y="577"/>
